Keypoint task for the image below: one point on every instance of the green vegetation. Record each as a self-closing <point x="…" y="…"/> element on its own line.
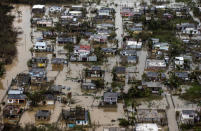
<point x="124" y="122"/>
<point x="36" y="97"/>
<point x="8" y="48"/>
<point x="193" y="94"/>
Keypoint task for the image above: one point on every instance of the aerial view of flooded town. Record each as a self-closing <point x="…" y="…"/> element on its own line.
<point x="100" y="65"/>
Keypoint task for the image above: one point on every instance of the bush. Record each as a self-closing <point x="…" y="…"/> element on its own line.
<point x="123" y="122"/>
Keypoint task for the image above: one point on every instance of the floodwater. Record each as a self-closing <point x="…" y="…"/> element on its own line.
<point x="74" y="70"/>
<point x="23" y="45"/>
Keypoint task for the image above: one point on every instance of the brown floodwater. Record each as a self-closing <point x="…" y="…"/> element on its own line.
<point x="23" y="45"/>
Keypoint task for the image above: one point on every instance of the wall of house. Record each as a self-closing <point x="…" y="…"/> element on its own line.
<point x="83" y="122"/>
<point x="50" y="102"/>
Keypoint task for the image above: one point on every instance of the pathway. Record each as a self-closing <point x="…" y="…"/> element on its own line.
<point x="171" y="115"/>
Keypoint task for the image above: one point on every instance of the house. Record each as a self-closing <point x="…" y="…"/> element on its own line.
<point x="38" y="8"/>
<point x="82" y="50"/>
<point x="105" y="26"/>
<point x="129" y="60"/>
<point x="188" y="28"/>
<point x="15" y="92"/>
<point x="153" y="64"/>
<point x="133" y="44"/>
<point x="154" y="87"/>
<point x="21" y="80"/>
<point x="105" y="32"/>
<point x="12" y="112"/>
<point x="38" y="75"/>
<point x="94" y="72"/>
<point x="66" y="40"/>
<point x="119" y="74"/>
<point x="16" y="99"/>
<point x="136" y="30"/>
<point x="56" y="89"/>
<point x="110" y="97"/>
<point x="102" y="39"/>
<point x="187" y="116"/>
<point x="128" y="53"/>
<point x="167" y="16"/>
<point x="155" y="76"/>
<point x="88" y="86"/>
<point x="151" y="116"/>
<point x="126" y="12"/>
<point x="55" y="9"/>
<point x="41" y="46"/>
<point x="103" y="12"/>
<point x="155" y="40"/>
<point x="146" y="127"/>
<point x="57" y="63"/>
<point x="76" y="116"/>
<point x="42" y="115"/>
<point x="182" y="75"/>
<point x="179" y="61"/>
<point x="75" y="13"/>
<point x="45" y="23"/>
<point x="162" y="46"/>
<point x="49" y="99"/>
<point x="39" y="62"/>
<point x="77" y="7"/>
<point x="49" y="34"/>
<point x="109" y="51"/>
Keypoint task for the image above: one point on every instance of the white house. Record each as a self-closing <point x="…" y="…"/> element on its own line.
<point x="15" y="92"/>
<point x="75" y="13"/>
<point x="190" y="30"/>
<point x="179" y="61"/>
<point x="146" y="127"/>
<point x="187" y="116"/>
<point x="40" y="46"/>
<point x="134" y="44"/>
<point x="55" y="9"/>
<point x="38" y="8"/>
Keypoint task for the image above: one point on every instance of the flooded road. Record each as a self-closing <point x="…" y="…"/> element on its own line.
<point x="23" y="45"/>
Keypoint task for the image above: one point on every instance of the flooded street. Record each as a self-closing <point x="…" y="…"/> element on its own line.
<point x="23" y="45"/>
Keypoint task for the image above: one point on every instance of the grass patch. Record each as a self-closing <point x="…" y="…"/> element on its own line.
<point x="193" y="93"/>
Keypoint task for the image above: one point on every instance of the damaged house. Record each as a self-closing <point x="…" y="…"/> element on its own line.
<point x="76" y="116"/>
<point x="94" y="72"/>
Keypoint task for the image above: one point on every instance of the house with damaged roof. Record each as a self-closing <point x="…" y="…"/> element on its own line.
<point x="42" y="115"/>
<point x="94" y="72"/>
<point x="75" y="117"/>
